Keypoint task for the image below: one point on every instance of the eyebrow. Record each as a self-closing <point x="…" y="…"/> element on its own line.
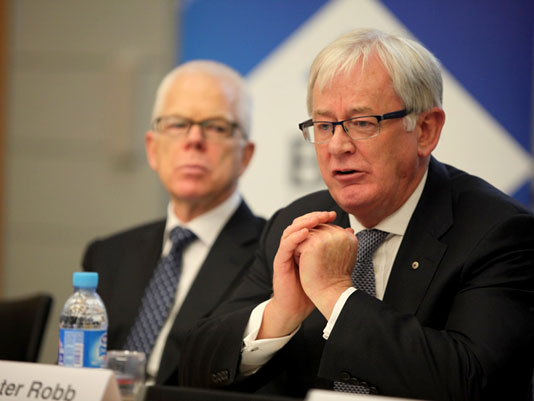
<point x="219" y="117"/>
<point x="356" y="110"/>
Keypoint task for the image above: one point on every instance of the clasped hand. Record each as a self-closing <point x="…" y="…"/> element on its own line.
<point x="311" y="269"/>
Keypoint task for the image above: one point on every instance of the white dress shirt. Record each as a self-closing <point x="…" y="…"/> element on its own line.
<point x="207" y="228"/>
<point x="255" y="353"/>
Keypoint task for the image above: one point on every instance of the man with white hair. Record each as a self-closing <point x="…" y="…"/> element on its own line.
<point x="407" y="278"/>
<point x="158" y="279"/>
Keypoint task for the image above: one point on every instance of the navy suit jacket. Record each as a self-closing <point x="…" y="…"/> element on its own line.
<point x="459" y="327"/>
<point x="125" y="263"/>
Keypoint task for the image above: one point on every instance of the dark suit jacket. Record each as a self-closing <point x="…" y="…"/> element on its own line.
<point x="459" y="327"/>
<point x="125" y="263"/>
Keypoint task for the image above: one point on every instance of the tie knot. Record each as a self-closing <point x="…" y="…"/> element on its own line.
<point x="369" y="241"/>
<point x="181" y="237"/>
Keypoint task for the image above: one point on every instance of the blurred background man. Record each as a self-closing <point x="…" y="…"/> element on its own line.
<point x="158" y="279"/>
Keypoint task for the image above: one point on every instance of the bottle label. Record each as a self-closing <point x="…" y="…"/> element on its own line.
<point x="82" y="348"/>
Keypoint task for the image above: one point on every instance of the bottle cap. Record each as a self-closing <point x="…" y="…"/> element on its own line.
<point x="85" y="279"/>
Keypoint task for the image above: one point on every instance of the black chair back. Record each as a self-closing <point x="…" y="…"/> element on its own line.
<point x="23" y="323"/>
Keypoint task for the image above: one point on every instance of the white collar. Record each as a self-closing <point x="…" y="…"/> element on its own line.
<point x="207" y="226"/>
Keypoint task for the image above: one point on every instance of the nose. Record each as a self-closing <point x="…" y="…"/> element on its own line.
<point x="340" y="142"/>
<point x="195" y="135"/>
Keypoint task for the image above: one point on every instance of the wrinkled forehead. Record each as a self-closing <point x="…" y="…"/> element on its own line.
<point x="359" y="84"/>
<point x="366" y="66"/>
<point x="334" y="67"/>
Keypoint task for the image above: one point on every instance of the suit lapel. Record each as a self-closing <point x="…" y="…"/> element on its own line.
<point x="421" y="249"/>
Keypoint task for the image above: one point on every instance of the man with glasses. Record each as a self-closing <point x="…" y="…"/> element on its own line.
<point x="156" y="284"/>
<point x="407" y="278"/>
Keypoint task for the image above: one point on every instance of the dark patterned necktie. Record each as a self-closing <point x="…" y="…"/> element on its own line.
<point x="363" y="275"/>
<point x="363" y="278"/>
<point x="159" y="295"/>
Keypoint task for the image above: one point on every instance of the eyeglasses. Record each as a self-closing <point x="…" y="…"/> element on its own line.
<point x="178" y="127"/>
<point x="358" y="128"/>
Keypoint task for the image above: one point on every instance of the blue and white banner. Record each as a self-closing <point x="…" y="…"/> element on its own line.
<point x="485" y="47"/>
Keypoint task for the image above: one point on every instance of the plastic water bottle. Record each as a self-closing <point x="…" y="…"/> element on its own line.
<point x="83" y="325"/>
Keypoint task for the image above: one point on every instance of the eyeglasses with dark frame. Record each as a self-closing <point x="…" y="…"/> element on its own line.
<point x="178" y="127"/>
<point x="357" y="128"/>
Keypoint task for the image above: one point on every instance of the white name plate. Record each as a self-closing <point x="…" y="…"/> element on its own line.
<point x="33" y="381"/>
<point x="326" y="395"/>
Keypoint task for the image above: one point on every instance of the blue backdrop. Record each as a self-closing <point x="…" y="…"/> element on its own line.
<point x="486" y="46"/>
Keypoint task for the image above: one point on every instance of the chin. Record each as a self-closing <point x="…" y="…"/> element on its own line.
<point x="189" y="194"/>
<point x="354" y="201"/>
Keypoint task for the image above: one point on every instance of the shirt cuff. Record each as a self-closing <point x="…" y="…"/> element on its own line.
<point x="256" y="353"/>
<point x="336" y="311"/>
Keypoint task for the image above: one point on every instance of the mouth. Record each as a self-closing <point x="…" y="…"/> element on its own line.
<point x="193" y="168"/>
<point x="348" y="176"/>
<point x="344" y="172"/>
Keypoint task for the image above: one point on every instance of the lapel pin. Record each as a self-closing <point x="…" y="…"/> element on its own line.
<point x="415" y="265"/>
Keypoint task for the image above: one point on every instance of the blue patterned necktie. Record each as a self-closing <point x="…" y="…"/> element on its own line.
<point x="159" y="295"/>
<point x="363" y="275"/>
<point x="363" y="278"/>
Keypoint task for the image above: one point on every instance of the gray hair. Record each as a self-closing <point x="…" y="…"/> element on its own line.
<point x="415" y="71"/>
<point x="227" y="76"/>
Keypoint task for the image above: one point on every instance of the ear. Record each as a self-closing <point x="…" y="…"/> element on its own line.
<point x="248" y="152"/>
<point x="151" y="150"/>
<point x="429" y="125"/>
